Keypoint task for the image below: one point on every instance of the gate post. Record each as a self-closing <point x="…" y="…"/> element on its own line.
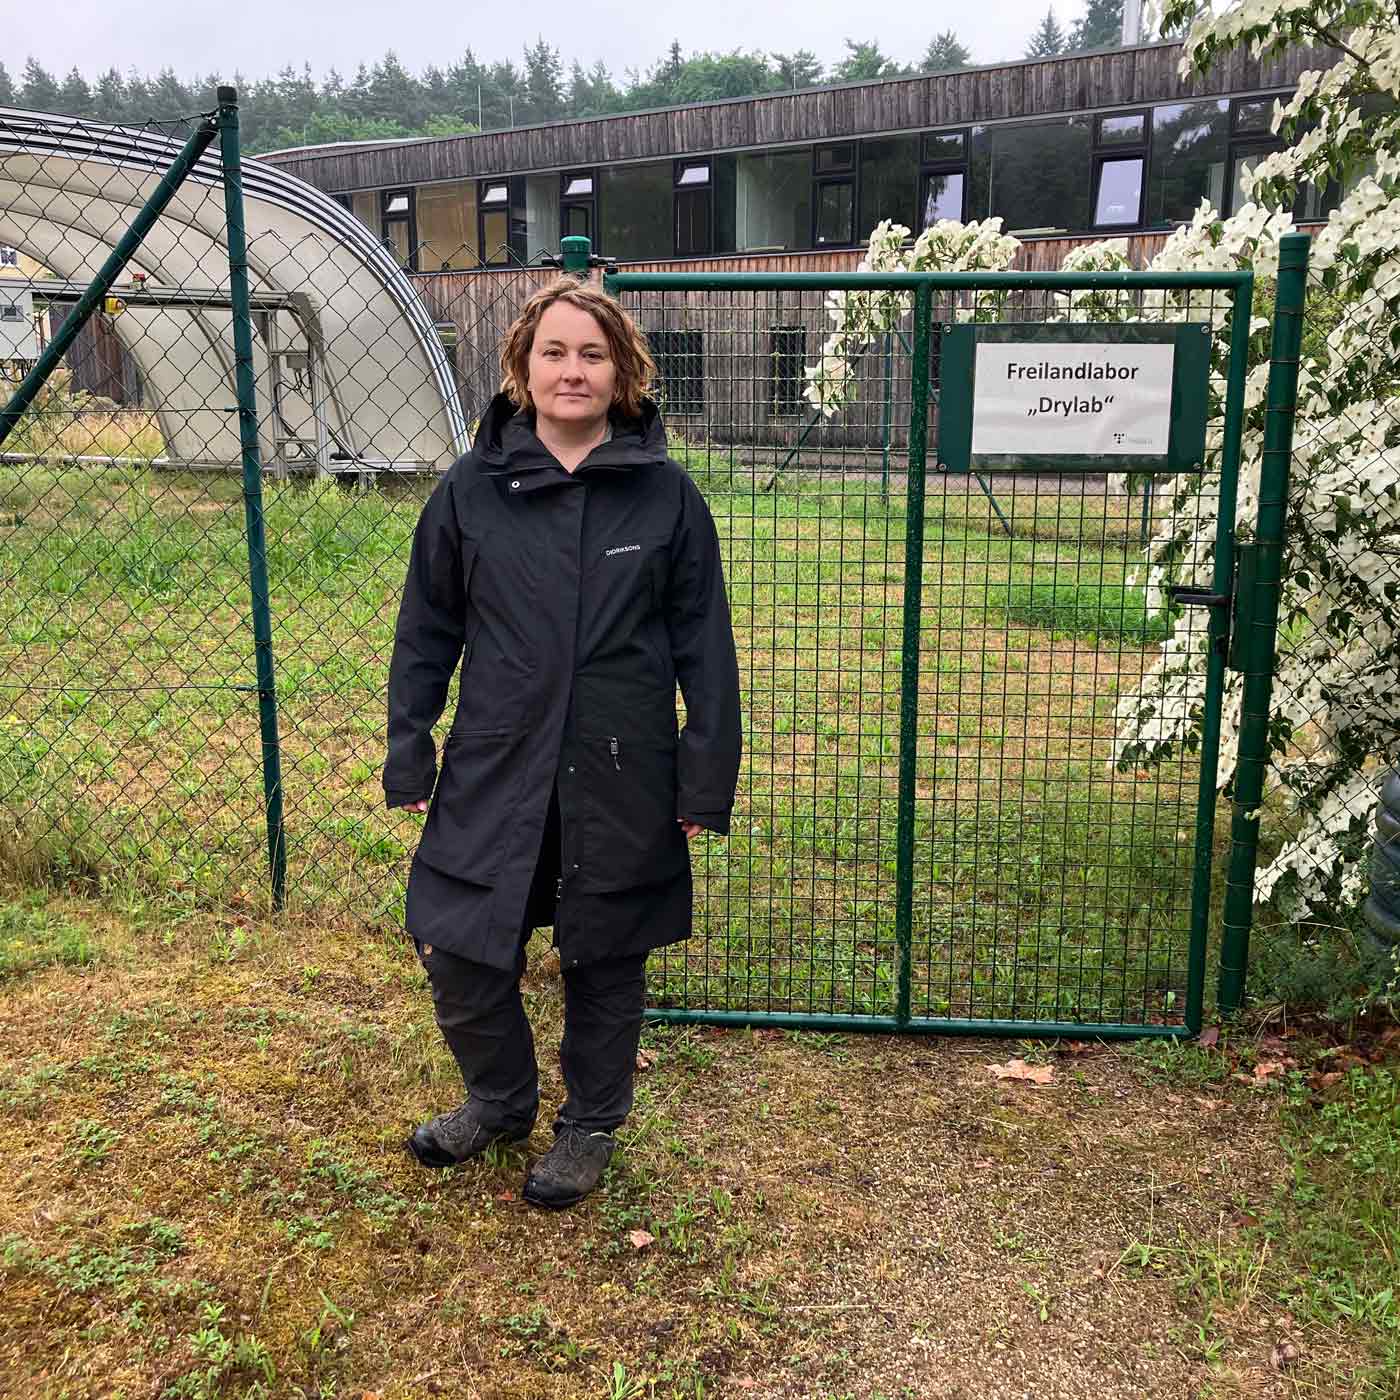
<point x="1257" y="624"/>
<point x="252" y="491"/>
<point x="909" y="645"/>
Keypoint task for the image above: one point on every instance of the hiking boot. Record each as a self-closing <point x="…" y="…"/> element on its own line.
<point x="459" y="1135"/>
<point x="570" y="1169"/>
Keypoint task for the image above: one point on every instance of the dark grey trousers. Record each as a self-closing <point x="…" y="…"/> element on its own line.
<point x="483" y="1021"/>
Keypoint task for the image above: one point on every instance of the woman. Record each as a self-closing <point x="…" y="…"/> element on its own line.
<point x="574" y="570"/>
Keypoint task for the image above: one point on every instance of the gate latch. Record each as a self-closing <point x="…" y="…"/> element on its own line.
<point x="1190" y="596"/>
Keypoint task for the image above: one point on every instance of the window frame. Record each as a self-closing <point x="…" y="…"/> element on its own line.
<point x="586" y="203"/>
<point x="942" y="165"/>
<point x="1104" y="153"/>
<point x="664" y="358"/>
<point x="515" y="228"/>
<point x="794" y="407"/>
<point x="845" y="173"/>
<point x="409" y="219"/>
<point x="847" y="182"/>
<point x="694" y="188"/>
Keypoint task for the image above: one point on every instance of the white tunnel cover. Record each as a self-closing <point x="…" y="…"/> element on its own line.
<point x="350" y="368"/>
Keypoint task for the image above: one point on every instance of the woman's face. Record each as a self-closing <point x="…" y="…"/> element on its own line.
<point x="571" y="371"/>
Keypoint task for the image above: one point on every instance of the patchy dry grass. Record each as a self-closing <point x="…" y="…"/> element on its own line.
<point x="205" y="1195"/>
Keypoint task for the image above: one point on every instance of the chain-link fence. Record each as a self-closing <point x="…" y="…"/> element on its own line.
<point x="931" y="819"/>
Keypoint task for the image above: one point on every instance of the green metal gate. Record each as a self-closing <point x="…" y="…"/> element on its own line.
<point x="934" y="832"/>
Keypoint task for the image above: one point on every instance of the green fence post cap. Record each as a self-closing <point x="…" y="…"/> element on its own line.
<point x="575" y="250"/>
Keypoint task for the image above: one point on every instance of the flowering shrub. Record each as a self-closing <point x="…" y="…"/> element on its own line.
<point x="1337" y="688"/>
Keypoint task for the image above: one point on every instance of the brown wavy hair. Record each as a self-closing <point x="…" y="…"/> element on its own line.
<point x="635" y="368"/>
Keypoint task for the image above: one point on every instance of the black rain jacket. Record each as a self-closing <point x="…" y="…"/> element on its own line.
<point x="574" y="602"/>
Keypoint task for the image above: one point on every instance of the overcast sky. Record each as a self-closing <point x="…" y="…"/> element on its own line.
<point x="257" y="37"/>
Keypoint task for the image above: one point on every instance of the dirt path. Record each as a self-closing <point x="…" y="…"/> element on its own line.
<point x="203" y="1194"/>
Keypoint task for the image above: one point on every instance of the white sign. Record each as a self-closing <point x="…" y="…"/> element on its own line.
<point x="1110" y="399"/>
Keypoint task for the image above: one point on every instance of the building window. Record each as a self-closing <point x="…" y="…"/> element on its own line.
<point x="787" y="354"/>
<point x="636" y="214"/>
<point x="1187" y="164"/>
<point x="694" y="208"/>
<point x="830" y="159"/>
<point x="1032" y="175"/>
<point x="889" y="182"/>
<point x="834" y="195"/>
<point x="680" y="370"/>
<point x="501" y="211"/>
<point x="1120" y="159"/>
<point x="942" y="177"/>
<point x="1253" y="117"/>
<point x="576" y="204"/>
<point x="543" y="215"/>
<point x="773" y="202"/>
<point x="447" y="226"/>
<point x="1251" y="139"/>
<point x="397" y="226"/>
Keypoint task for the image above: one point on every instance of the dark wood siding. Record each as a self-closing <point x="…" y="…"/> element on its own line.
<point x="1114" y="78"/>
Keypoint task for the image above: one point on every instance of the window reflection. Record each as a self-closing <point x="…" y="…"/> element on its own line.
<point x="1119" y="193"/>
<point x="835" y="211"/>
<point x="772" y="201"/>
<point x="1032" y="174"/>
<point x="888" y="181"/>
<point x="1188" y="160"/>
<point x="634" y="211"/>
<point x="943" y="197"/>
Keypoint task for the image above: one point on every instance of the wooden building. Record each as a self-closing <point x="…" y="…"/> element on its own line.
<point x="1114" y="143"/>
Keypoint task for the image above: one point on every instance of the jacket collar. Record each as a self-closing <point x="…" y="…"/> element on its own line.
<point x="506" y="444"/>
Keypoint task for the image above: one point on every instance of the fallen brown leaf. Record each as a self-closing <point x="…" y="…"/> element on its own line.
<point x="1284" y="1354"/>
<point x="1210" y="1038"/>
<point x="640" y="1239"/>
<point x="1024" y="1073"/>
<point x="1266" y="1069"/>
<point x="645" y="1059"/>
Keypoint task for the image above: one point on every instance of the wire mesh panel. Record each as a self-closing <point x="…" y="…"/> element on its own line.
<point x="794" y="911"/>
<point x="1054" y="873"/>
<point x="127" y="728"/>
<point x="1054" y="878"/>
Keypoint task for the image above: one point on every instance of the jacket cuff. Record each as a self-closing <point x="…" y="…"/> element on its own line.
<point x="718" y="822"/>
<point x="401" y="797"/>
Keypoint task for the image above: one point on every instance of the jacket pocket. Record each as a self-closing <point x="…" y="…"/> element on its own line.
<point x="630" y="832"/>
<point x="466" y="827"/>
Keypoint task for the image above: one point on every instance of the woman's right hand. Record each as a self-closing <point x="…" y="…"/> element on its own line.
<point x="420" y="806"/>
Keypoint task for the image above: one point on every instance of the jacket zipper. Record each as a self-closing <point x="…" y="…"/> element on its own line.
<point x="612" y="749"/>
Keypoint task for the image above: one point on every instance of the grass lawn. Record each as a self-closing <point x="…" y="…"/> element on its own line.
<point x="1046" y="883"/>
<point x="203" y="1193"/>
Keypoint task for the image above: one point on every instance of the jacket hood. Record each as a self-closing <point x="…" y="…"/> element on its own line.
<point x="505" y="440"/>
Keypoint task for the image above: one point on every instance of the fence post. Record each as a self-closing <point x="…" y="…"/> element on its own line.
<point x="1257" y="624"/>
<point x="107" y="274"/>
<point x="574" y="252"/>
<point x="909" y="645"/>
<point x="252" y="490"/>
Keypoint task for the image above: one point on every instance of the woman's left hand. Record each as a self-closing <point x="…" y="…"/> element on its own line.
<point x="691" y="829"/>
